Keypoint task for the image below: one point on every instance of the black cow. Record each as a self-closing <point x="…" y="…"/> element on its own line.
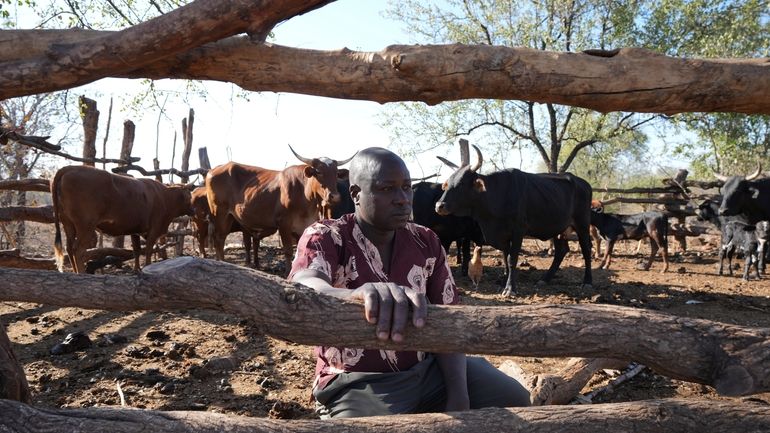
<point x="744" y="195"/>
<point x="449" y="228"/>
<point x="345" y="205"/>
<point x="749" y="239"/>
<point x="511" y="204"/>
<point x="614" y="227"/>
<point x="709" y="211"/>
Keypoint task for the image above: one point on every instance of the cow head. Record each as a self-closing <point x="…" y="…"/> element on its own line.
<point x="737" y="191"/>
<point x="179" y="200"/>
<point x="708" y="210"/>
<point x="462" y="189"/>
<point x="325" y="172"/>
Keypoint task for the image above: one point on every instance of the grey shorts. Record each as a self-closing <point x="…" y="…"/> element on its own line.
<point x="417" y="390"/>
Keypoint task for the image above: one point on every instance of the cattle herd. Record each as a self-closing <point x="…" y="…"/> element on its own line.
<point x="497" y="209"/>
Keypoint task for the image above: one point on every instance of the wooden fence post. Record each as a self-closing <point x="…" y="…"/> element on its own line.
<point x="126" y="146"/>
<point x="90" y="116"/>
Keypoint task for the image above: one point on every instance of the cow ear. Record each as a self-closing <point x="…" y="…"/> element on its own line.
<point x="479" y="185"/>
<point x="342" y="173"/>
<point x="754" y="192"/>
<point x="309" y="171"/>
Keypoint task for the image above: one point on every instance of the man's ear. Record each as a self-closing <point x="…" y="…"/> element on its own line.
<point x="342" y="173"/>
<point x="309" y="171"/>
<point x="354" y="190"/>
<point x="479" y="185"/>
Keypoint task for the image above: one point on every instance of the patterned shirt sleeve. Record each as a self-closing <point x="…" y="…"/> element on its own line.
<point x="317" y="250"/>
<point x="441" y="287"/>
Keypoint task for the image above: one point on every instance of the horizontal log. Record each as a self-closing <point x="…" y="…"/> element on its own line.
<point x="733" y="359"/>
<point x="40" y="214"/>
<point x="629" y="79"/>
<point x="652" y="416"/>
<point x="149" y="173"/>
<point x="11" y="260"/>
<point x="42" y="185"/>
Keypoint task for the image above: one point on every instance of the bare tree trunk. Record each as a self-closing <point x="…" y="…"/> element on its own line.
<point x="13" y="382"/>
<point x="653" y="416"/>
<point x="203" y="158"/>
<point x="90" y="116"/>
<point x="187" y="137"/>
<point x="733" y="359"/>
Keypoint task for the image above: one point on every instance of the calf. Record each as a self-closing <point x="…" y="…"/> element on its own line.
<point x="87" y="199"/>
<point x="748" y="238"/>
<point x="613" y="228"/>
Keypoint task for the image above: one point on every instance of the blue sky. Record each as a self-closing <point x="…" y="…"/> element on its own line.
<point x="258" y="132"/>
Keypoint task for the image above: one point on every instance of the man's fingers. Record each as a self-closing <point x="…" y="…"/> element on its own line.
<point x="419" y="307"/>
<point x="371" y="306"/>
<point x="400" y="312"/>
<point x="385" y="316"/>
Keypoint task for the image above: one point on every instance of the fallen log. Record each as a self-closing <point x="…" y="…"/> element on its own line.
<point x="42" y="185"/>
<point x="14" y="259"/>
<point x="733" y="359"/>
<point x="651" y="416"/>
<point x="41" y="214"/>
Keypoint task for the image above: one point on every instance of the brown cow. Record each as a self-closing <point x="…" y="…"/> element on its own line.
<point x="201" y="219"/>
<point x="86" y="199"/>
<point x="265" y="201"/>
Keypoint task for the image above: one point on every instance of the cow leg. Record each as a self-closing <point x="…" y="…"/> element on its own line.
<point x="219" y="232"/>
<point x="511" y="258"/>
<point x="83" y="240"/>
<point x="560" y="247"/>
<point x="653" y="253"/>
<point x="202" y="235"/>
<point x="255" y="247"/>
<point x="136" y="246"/>
<point x="69" y="232"/>
<point x="287" y="239"/>
<point x="247" y="246"/>
<point x="584" y="240"/>
<point x="608" y="253"/>
<point x="722" y="250"/>
<point x="730" y="252"/>
<point x="597" y="239"/>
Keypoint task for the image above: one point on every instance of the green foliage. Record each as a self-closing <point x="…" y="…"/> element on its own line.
<point x="607" y="146"/>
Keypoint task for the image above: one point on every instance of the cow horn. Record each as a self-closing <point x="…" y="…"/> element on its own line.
<point x="448" y="162"/>
<point x="307" y="161"/>
<point x="481" y="159"/>
<point x="721" y="176"/>
<point x="756" y="173"/>
<point x="343" y="162"/>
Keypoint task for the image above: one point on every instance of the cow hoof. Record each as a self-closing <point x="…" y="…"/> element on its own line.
<point x="507" y="292"/>
<point x="586" y="286"/>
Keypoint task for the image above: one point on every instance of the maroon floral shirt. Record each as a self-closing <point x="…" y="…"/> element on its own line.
<point x="338" y="249"/>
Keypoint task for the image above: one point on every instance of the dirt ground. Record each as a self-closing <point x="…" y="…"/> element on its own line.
<point x="199" y="360"/>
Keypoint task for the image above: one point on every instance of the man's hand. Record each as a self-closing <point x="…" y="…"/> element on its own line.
<point x="388" y="305"/>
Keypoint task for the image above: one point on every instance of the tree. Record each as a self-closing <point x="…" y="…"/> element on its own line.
<point x="728" y="143"/>
<point x="29" y="115"/>
<point x="559" y="134"/>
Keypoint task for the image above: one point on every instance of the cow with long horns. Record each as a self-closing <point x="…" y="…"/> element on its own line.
<point x="748" y="195"/>
<point x="264" y="201"/>
<point x="511" y="204"/>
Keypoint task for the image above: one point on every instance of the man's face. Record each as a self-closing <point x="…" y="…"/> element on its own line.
<point x="384" y="199"/>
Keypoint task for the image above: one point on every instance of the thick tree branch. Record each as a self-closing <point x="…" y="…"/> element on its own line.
<point x="573" y="153"/>
<point x="632" y="79"/>
<point x="651" y="416"/>
<point x="187" y="27"/>
<point x="733" y="359"/>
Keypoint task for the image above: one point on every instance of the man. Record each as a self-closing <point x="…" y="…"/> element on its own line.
<point x="395" y="267"/>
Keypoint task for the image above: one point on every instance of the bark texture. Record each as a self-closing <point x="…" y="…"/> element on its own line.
<point x="733" y="359"/>
<point x="629" y="79"/>
<point x="41" y="214"/>
<point x="653" y="416"/>
<point x="13" y="382"/>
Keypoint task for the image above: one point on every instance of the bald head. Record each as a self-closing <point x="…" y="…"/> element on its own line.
<point x="368" y="163"/>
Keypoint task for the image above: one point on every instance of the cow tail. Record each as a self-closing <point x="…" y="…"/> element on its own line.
<point x="57" y="248"/>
